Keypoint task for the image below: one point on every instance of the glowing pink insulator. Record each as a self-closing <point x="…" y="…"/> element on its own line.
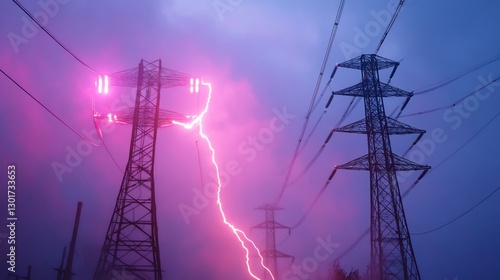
<point x="106" y="84"/>
<point x="191" y="85"/>
<point x="110" y="117"/>
<point x="197" y="85"/>
<point x="99" y="84"/>
<point x="102" y="84"/>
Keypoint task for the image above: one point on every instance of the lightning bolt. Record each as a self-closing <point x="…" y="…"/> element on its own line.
<point x="242" y="237"/>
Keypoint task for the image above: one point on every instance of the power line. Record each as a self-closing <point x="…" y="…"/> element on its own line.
<point x="459" y="75"/>
<point x="389" y="26"/>
<point x="459" y="216"/>
<point x="111" y="155"/>
<point x="62" y="121"/>
<point x="101" y="137"/>
<point x="447" y="82"/>
<point x="52" y="36"/>
<point x="312" y="102"/>
<point x="454" y="103"/>
<point x="469" y="140"/>
<point x="325" y="60"/>
<point x="311" y="206"/>
<point x="322" y="114"/>
<point x="48" y="110"/>
<point x="79" y="60"/>
<point x="347" y="112"/>
<point x="315" y="200"/>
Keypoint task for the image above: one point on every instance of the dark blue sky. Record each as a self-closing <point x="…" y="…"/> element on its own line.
<point x="263" y="58"/>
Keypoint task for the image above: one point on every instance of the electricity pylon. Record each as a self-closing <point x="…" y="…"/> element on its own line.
<point x="392" y="256"/>
<point x="270" y="254"/>
<point x="131" y="244"/>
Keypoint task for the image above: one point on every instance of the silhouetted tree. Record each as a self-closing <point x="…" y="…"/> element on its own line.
<point x="338" y="273"/>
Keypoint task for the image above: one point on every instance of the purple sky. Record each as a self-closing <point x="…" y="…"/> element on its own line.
<point x="263" y="58"/>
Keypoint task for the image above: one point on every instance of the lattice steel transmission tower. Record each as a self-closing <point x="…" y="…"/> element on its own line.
<point x="271" y="254"/>
<point x="392" y="256"/>
<point x="131" y="244"/>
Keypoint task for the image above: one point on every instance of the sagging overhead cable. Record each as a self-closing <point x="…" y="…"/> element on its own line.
<point x="315" y="200"/>
<point x="317" y="123"/>
<point x="459" y="216"/>
<point x="32" y="17"/>
<point x="316" y="156"/>
<point x="313" y="100"/>
<point x="325" y="88"/>
<point x="459" y="75"/>
<point x="49" y="110"/>
<point x="389" y="26"/>
<point x="455" y="102"/>
<point x="450" y="80"/>
<point x="326" y="57"/>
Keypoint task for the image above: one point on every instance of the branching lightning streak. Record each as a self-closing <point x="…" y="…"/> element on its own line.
<point x="198" y="120"/>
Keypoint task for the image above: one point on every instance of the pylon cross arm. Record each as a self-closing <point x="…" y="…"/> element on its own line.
<point x="400" y="164"/>
<point x="393" y="127"/>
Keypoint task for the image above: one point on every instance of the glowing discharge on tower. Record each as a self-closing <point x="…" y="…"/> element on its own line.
<point x="239" y="233"/>
<point x="102" y="84"/>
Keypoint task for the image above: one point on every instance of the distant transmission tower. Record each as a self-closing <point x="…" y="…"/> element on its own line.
<point x="392" y="256"/>
<point x="131" y="243"/>
<point x="270" y="254"/>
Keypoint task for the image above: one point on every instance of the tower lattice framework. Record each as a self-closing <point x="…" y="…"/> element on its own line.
<point x="392" y="255"/>
<point x="131" y="247"/>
